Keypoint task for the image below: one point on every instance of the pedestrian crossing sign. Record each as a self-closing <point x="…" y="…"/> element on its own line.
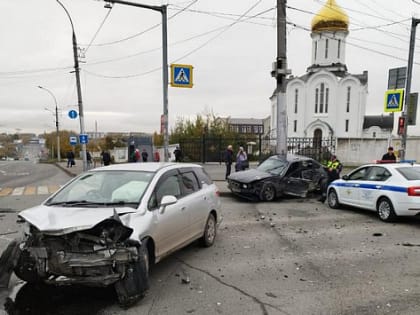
<point x="181" y="76"/>
<point x="394" y="100"/>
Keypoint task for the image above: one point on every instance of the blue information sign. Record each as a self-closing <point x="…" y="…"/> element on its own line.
<point x="83" y="139"/>
<point x="72" y="114"/>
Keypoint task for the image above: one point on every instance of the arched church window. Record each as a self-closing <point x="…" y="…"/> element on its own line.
<point x="348" y="99"/>
<point x="316" y="100"/>
<point x="327" y="95"/>
<point x="296" y="100"/>
<point x="321" y="98"/>
<point x="326" y="48"/>
<point x="338" y="48"/>
<point x="315" y="50"/>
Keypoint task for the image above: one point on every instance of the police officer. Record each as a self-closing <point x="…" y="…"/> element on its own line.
<point x="333" y="170"/>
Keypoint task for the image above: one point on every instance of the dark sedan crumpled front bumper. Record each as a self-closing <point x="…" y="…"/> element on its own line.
<point x="246" y="190"/>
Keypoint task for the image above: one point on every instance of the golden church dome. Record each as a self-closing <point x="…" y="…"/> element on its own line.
<point x="330" y="18"/>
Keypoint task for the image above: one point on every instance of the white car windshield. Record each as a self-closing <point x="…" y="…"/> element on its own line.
<point x="104" y="188"/>
<point x="273" y="166"/>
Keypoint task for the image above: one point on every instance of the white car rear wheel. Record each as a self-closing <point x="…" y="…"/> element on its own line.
<point x="386" y="210"/>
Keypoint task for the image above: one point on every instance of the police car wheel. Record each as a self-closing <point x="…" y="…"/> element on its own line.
<point x="386" y="210"/>
<point x="333" y="199"/>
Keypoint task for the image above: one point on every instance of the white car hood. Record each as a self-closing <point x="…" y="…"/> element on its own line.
<point x="55" y="220"/>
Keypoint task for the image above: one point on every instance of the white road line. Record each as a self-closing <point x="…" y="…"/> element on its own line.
<point x="18" y="191"/>
<point x="43" y="190"/>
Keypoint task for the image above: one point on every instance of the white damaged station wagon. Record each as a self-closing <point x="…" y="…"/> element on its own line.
<point x="106" y="226"/>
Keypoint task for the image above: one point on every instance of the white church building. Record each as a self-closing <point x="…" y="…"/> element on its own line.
<point x="328" y="101"/>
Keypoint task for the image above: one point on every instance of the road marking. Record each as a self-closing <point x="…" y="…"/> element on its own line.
<point x="29" y="190"/>
<point x="5" y="191"/>
<point x="18" y="191"/>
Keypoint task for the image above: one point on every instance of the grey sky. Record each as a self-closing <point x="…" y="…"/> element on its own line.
<point x="231" y="45"/>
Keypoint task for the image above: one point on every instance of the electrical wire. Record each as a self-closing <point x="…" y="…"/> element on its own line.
<point x="146" y="30"/>
<point x="222" y="30"/>
<point x="97" y="32"/>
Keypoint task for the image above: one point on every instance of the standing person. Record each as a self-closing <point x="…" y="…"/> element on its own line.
<point x="241" y="160"/>
<point x="390" y="155"/>
<point x="89" y="159"/>
<point x="228" y="160"/>
<point x="333" y="168"/>
<point x="70" y="159"/>
<point x="157" y="156"/>
<point x="178" y="154"/>
<point x="137" y="155"/>
<point x="144" y="155"/>
<point x="106" y="158"/>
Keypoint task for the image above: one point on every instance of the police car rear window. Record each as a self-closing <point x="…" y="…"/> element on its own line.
<point x="410" y="173"/>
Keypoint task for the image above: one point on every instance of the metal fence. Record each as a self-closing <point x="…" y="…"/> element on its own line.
<point x="212" y="149"/>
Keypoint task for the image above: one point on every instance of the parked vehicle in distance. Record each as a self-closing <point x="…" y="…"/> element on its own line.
<point x="390" y="189"/>
<point x="276" y="176"/>
<point x="106" y="226"/>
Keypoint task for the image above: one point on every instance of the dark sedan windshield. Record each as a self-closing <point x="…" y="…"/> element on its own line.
<point x="273" y="166"/>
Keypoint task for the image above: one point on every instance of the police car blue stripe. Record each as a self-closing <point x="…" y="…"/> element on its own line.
<point x="377" y="186"/>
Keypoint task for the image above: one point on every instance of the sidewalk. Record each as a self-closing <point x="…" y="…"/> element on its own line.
<point x="214" y="169"/>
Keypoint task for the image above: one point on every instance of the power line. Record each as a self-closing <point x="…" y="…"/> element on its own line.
<point x="97" y="32"/>
<point x="146" y="30"/>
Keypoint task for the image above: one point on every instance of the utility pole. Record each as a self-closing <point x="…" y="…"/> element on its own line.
<point x="414" y="23"/>
<point x="79" y="90"/>
<point x="279" y="72"/>
<point x="163" y="10"/>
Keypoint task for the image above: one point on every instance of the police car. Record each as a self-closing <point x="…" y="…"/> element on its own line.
<point x="390" y="189"/>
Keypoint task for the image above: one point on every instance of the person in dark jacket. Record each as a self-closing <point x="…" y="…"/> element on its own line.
<point x="144" y="155"/>
<point x="106" y="158"/>
<point x="178" y="154"/>
<point x="70" y="159"/>
<point x="390" y="155"/>
<point x="228" y="160"/>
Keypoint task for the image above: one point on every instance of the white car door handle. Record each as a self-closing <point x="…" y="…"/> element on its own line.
<point x="356" y="185"/>
<point x="378" y="187"/>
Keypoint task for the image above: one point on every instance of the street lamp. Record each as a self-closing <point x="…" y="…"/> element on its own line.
<point x="56" y="121"/>
<point x="163" y="10"/>
<point x="79" y="90"/>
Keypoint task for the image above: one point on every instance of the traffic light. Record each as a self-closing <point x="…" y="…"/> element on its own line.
<point x="401" y="122"/>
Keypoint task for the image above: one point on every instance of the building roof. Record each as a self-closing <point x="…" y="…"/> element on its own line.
<point x="245" y="121"/>
<point x="330" y="18"/>
<point x="384" y="122"/>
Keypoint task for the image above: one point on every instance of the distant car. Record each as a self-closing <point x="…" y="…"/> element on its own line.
<point x="108" y="224"/>
<point x="391" y="189"/>
<point x="276" y="176"/>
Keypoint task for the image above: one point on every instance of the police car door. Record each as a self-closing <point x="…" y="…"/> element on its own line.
<point x="350" y="190"/>
<point x="372" y="186"/>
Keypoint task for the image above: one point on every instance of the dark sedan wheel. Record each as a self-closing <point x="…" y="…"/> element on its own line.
<point x="209" y="234"/>
<point x="333" y="199"/>
<point x="268" y="192"/>
<point x="386" y="210"/>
